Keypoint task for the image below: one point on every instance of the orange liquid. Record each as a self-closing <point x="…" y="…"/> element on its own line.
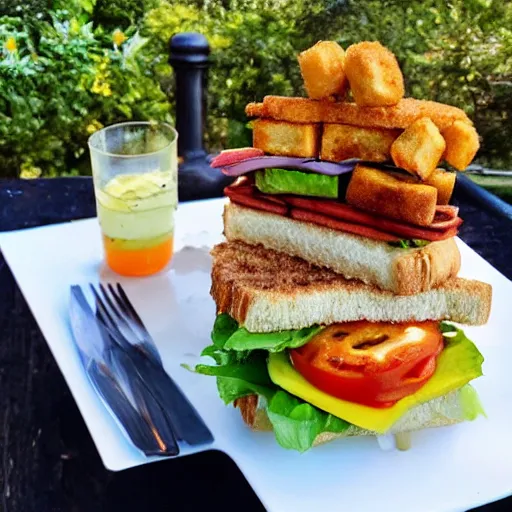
<point x="138" y="262"/>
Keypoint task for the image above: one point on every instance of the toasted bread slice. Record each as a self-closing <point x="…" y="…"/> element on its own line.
<point x="401" y="115"/>
<point x="266" y="291"/>
<point x="401" y="271"/>
<point x="435" y="413"/>
<point x="419" y="148"/>
<point x="462" y="143"/>
<point x="343" y="141"/>
<point x="374" y="75"/>
<point x="286" y="139"/>
<point x="384" y="193"/>
<point x="323" y="69"/>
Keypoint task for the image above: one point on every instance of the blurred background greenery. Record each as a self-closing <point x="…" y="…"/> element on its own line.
<point x="68" y="67"/>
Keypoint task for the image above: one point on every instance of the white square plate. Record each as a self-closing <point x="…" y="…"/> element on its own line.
<point x="451" y="468"/>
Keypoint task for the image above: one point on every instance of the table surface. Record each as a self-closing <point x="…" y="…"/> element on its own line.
<point x="48" y="460"/>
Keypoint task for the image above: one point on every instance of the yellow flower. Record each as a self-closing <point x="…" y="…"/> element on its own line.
<point x="118" y="37"/>
<point x="101" y="87"/>
<point x="29" y="171"/>
<point x="93" y="126"/>
<point x="10" y="45"/>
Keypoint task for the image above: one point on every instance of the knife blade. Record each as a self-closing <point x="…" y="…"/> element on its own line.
<point x="140" y="418"/>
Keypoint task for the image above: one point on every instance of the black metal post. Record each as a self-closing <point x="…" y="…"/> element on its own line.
<point x="189" y="53"/>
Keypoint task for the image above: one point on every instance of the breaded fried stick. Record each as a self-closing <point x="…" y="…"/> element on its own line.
<point x="401" y="115"/>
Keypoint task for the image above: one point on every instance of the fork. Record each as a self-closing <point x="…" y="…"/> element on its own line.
<point x="125" y="326"/>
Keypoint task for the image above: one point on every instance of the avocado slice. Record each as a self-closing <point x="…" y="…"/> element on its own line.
<point x="285" y="181"/>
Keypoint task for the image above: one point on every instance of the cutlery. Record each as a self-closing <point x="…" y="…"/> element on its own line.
<point x="122" y="322"/>
<point x="108" y="368"/>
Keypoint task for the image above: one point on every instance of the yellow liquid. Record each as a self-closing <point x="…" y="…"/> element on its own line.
<point x="136" y="214"/>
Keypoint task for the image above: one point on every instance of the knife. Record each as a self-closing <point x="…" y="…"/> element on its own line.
<point x="184" y="420"/>
<point x="127" y="399"/>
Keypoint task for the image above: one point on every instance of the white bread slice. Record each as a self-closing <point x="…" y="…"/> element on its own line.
<point x="402" y="271"/>
<point x="435" y="413"/>
<point x="267" y="291"/>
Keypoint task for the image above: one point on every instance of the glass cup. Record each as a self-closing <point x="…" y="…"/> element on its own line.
<point x="135" y="174"/>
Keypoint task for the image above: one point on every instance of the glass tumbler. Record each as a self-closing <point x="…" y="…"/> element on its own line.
<point x="134" y="168"/>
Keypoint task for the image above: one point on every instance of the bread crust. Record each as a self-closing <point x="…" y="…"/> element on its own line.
<point x="425" y="269"/>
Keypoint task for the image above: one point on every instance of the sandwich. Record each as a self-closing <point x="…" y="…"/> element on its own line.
<point x="305" y="353"/>
<point x="338" y="302"/>
<point x="360" y="187"/>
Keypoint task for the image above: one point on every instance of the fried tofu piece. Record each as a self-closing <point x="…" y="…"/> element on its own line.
<point x="323" y="69"/>
<point x="374" y="75"/>
<point x="286" y="139"/>
<point x="342" y="141"/>
<point x="462" y="143"/>
<point x="401" y="115"/>
<point x="419" y="148"/>
<point x="379" y="192"/>
<point x="444" y="181"/>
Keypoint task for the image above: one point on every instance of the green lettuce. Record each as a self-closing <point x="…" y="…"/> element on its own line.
<point x="243" y="371"/>
<point x="228" y="335"/>
<point x="409" y="244"/>
<point x="242" y="339"/>
<point x="297" y="424"/>
<point x="285" y="181"/>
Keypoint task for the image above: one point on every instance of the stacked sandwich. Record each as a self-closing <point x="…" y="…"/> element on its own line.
<point x="338" y="280"/>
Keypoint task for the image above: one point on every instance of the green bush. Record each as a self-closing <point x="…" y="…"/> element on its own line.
<point x="61" y="76"/>
<point x="112" y="14"/>
<point x="59" y="82"/>
<point x="458" y="53"/>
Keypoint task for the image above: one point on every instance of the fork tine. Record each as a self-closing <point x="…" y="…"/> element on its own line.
<point x="129" y="307"/>
<point x="110" y="303"/>
<point x="108" y="321"/>
<point x="119" y="301"/>
<point x="101" y="307"/>
<point x="122" y="317"/>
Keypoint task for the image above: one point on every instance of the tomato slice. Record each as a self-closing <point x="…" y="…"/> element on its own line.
<point x="372" y="363"/>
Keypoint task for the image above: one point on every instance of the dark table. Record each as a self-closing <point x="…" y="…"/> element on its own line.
<point x="48" y="462"/>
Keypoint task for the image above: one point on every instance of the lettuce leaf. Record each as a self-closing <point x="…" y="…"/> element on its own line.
<point x="227" y="335"/>
<point x="297" y="423"/>
<point x="409" y="244"/>
<point x="242" y="339"/>
<point x="286" y="181"/>
<point x="240" y="373"/>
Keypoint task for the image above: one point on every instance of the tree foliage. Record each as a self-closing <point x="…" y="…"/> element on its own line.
<point x="66" y="76"/>
<point x="59" y="87"/>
